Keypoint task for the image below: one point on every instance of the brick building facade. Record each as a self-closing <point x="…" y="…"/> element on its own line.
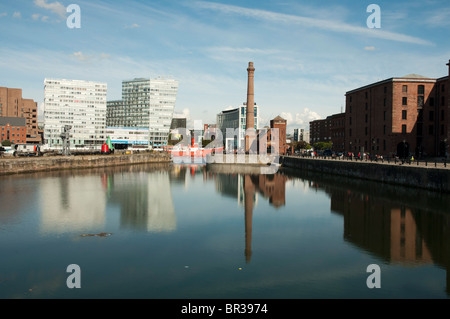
<point x="13" y="105"/>
<point x="399" y="116"/>
<point x="331" y="129"/>
<point x="13" y="129"/>
<point x="280" y="124"/>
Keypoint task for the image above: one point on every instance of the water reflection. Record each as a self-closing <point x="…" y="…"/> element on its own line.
<point x="71" y="203"/>
<point x="403" y="227"/>
<point x="76" y="202"/>
<point x="398" y="225"/>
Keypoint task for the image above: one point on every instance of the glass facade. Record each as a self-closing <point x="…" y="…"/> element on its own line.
<point x="146" y="103"/>
<point x="235" y="119"/>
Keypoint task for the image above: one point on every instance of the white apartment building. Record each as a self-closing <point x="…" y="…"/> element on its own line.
<point x="78" y="104"/>
<point x="235" y="119"/>
<point x="146" y="103"/>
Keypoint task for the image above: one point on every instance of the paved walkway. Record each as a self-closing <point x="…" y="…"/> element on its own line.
<point x="428" y="163"/>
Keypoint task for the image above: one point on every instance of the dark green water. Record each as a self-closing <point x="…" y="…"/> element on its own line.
<point x="185" y="232"/>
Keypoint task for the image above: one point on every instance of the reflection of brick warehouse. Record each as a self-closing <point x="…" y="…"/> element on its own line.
<point x="273" y="187"/>
<point x="399" y="115"/>
<point x="381" y="228"/>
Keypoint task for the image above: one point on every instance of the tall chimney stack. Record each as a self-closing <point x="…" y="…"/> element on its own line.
<point x="250" y="116"/>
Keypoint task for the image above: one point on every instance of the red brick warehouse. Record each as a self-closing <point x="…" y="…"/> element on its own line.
<point x="399" y="116"/>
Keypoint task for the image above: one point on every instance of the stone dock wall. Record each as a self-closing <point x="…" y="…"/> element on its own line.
<point x="51" y="163"/>
<point x="430" y="178"/>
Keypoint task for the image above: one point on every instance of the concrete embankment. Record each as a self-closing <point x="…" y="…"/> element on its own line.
<point x="51" y="163"/>
<point x="431" y="178"/>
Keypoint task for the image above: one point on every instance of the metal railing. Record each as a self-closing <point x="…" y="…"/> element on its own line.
<point x="424" y="162"/>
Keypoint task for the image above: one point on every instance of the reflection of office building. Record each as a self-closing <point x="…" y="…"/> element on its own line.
<point x="79" y="104"/>
<point x="235" y="121"/>
<point x="72" y="204"/>
<point x="145" y="201"/>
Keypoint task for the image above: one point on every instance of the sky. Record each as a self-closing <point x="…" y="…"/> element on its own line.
<point x="307" y="54"/>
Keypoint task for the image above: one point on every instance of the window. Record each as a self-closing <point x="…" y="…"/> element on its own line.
<point x="442" y="130"/>
<point x="366" y="131"/>
<point x="385" y="89"/>
<point x="421" y="89"/>
<point x="404" y="128"/>
<point x="384" y="116"/>
<point x="443" y="101"/>
<point x="405" y="88"/>
<point x="431" y="129"/>
<point x="431" y="101"/>
<point x="384" y="129"/>
<point x="442" y="115"/>
<point x="420" y="101"/>
<point x="350" y="132"/>
<point x="404" y="101"/>
<point x="431" y="115"/>
<point x="367" y="118"/>
<point x="419" y="114"/>
<point x="404" y="115"/>
<point x="350" y="121"/>
<point x="443" y="87"/>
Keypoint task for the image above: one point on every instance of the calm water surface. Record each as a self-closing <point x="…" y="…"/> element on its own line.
<point x="186" y="232"/>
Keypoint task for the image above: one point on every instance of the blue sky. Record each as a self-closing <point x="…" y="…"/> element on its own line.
<point x="307" y="54"/>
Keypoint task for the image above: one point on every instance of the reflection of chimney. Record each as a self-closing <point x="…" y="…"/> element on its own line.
<point x="249" y="192"/>
<point x="250" y="116"/>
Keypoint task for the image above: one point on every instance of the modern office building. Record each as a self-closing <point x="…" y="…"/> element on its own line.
<point x="128" y="137"/>
<point x="81" y="105"/>
<point x="13" y="129"/>
<point x="12" y="104"/>
<point x="399" y="116"/>
<point x="146" y="103"/>
<point x="235" y="120"/>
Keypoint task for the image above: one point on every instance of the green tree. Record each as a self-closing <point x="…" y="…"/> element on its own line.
<point x="6" y="143"/>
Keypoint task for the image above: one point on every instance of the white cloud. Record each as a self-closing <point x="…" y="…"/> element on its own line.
<point x="17" y="15"/>
<point x="300" y="119"/>
<point x="80" y="56"/>
<point x="37" y="16"/>
<point x="323" y="24"/>
<point x="132" y="26"/>
<point x="3" y="14"/>
<point x="369" y="48"/>
<point x="55" y="7"/>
